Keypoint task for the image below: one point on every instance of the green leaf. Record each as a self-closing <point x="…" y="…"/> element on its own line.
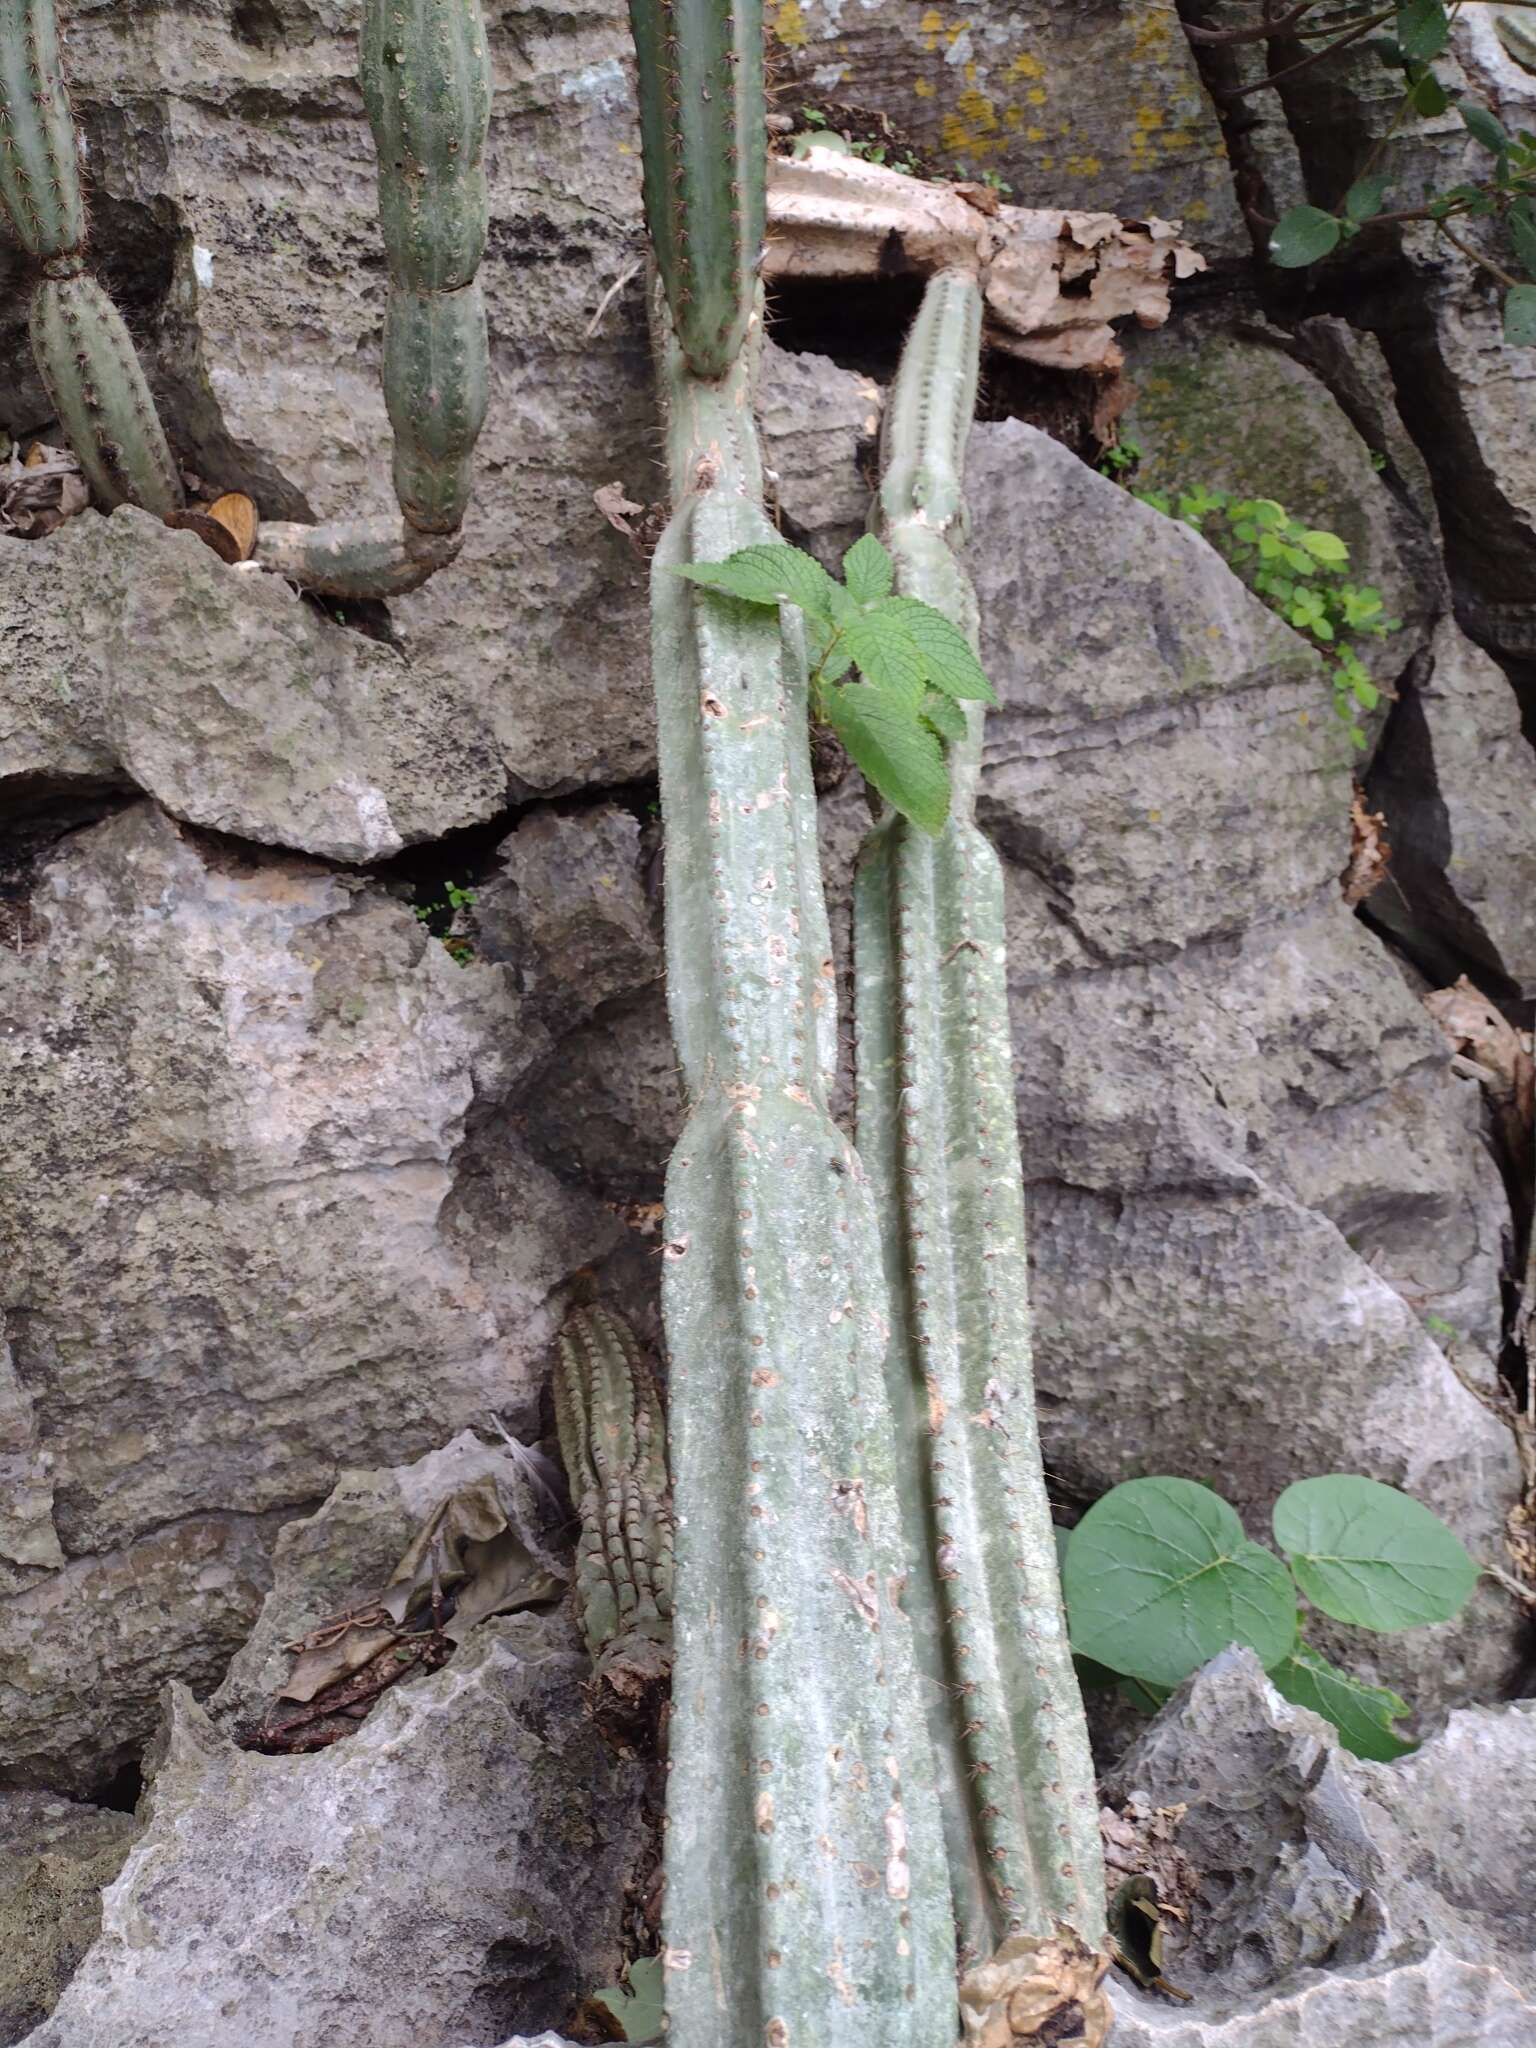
<point x="639" y="2010"/>
<point x="867" y="570"/>
<point x="772" y="572"/>
<point x="1367" y="1554"/>
<point x="1423" y="29"/>
<point x="1160" y="1577"/>
<point x="886" y="652"/>
<point x="1483" y="126"/>
<point x="1302" y="236"/>
<point x="1522" y="226"/>
<point x="1365" y="692"/>
<point x="948" y="662"/>
<point x="891" y="747"/>
<point x="1363" y="1714"/>
<point x="945" y="716"/>
<point x="1326" y="546"/>
<point x="819" y="634"/>
<point x="1366" y="197"/>
<point x="1146" y="1698"/>
<point x="1428" y="96"/>
<point x="1520" y="315"/>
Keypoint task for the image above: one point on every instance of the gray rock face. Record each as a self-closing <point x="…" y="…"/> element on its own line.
<point x="453" y="1869"/>
<point x="248" y="1236"/>
<point x="1252" y="1171"/>
<point x="54" y="1859"/>
<point x="1310" y="1858"/>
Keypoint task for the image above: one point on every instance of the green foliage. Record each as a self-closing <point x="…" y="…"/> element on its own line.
<point x="1306" y="234"/>
<point x="1159" y="1576"/>
<point x="440" y="917"/>
<point x="1300" y="572"/>
<point x="637" y="2004"/>
<point x="887" y="673"/>
<point x="1119" y="460"/>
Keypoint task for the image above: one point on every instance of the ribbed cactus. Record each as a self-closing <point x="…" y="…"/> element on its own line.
<point x="613" y="1441"/>
<point x="806" y="1904"/>
<point x="701" y="128"/>
<point x="82" y="347"/>
<point x="936" y="1128"/>
<point x="426" y="79"/>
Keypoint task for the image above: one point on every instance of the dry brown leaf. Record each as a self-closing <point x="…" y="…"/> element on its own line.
<point x="1489" y="1048"/>
<point x="237" y="512"/>
<point x="36" y="456"/>
<point x="1369" y="853"/>
<point x="39" y="491"/>
<point x="616" y="508"/>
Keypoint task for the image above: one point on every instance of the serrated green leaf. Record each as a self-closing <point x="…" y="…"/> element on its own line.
<point x="945" y="716"/>
<point x="1302" y="236"/>
<point x="1367" y="1554"/>
<point x="886" y="653"/>
<point x="948" y="662"/>
<point x="867" y="570"/>
<point x="1520" y="315"/>
<point x="1423" y="29"/>
<point x="771" y="572"/>
<point x="892" y="748"/>
<point x="1160" y="1577"/>
<point x="1483" y="126"/>
<point x="1363" y="1714"/>
<point x="1366" y="197"/>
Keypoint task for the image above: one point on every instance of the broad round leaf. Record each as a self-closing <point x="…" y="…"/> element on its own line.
<point x="1160" y="1577"/>
<point x="1302" y="236"/>
<point x="867" y="570"/>
<point x="1367" y="1554"/>
<point x="1327" y="547"/>
<point x="1366" y="197"/>
<point x="1363" y="1714"/>
<point x="1520" y="316"/>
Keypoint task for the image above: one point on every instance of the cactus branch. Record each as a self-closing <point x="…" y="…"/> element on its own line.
<point x="937" y="1131"/>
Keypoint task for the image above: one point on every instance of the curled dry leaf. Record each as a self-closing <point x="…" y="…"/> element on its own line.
<point x="1369" y="853"/>
<point x="39" y="491"/>
<point x="1037" y="1989"/>
<point x="1489" y="1048"/>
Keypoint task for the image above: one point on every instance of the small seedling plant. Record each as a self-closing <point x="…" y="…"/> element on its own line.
<point x="1159" y="1577"/>
<point x="890" y="675"/>
<point x="1419" y="32"/>
<point x="1301" y="572"/>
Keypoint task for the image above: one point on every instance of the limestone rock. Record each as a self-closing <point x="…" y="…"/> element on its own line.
<point x="1456" y="779"/>
<point x="453" y="1869"/>
<point x="248" y="1237"/>
<point x="1310" y="1857"/>
<point x="54" y="1859"/>
<point x="817" y="421"/>
<point x="1251" y="1169"/>
<point x="1435" y="2002"/>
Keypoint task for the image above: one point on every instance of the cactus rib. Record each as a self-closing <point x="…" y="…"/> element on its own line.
<point x="39" y="176"/>
<point x="936" y="1129"/>
<point x="99" y="392"/>
<point x="701" y="116"/>
<point x="435" y="385"/>
<point x="613" y="1443"/>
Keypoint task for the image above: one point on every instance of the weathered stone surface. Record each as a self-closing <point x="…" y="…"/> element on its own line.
<point x="1309" y="1857"/>
<point x="1251" y="1170"/>
<point x="247" y="1235"/>
<point x="134" y="654"/>
<point x="1436" y="2002"/>
<point x="1456" y="779"/>
<point x="1237" y="413"/>
<point x="1099" y="109"/>
<point x="54" y="1859"/>
<point x="453" y="1869"/>
<point x="817" y="421"/>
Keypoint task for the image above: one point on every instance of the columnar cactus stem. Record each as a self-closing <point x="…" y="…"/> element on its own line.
<point x="613" y="1441"/>
<point x="82" y="347"/>
<point x="701" y="120"/>
<point x="937" y="1132"/>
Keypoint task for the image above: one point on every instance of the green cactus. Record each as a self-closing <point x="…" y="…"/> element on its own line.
<point x="82" y="347"/>
<point x="613" y="1441"/>
<point x="701" y="119"/>
<point x="936" y="1127"/>
<point x="98" y="390"/>
<point x="426" y="85"/>
<point x="436" y="366"/>
<point x="39" y="177"/>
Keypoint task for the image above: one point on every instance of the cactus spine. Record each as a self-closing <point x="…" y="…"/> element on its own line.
<point x="936" y="1126"/>
<point x="83" y="351"/>
<point x="613" y="1441"/>
<point x="806" y="1904"/>
<point x="701" y="118"/>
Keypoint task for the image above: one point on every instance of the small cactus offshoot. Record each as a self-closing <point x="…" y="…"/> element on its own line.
<point x="613" y="1441"/>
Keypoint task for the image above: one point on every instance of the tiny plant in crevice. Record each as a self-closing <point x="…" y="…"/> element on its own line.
<point x="1159" y="1577"/>
<point x="441" y="915"/>
<point x="889" y="675"/>
<point x="1120" y="460"/>
<point x="1301" y="573"/>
